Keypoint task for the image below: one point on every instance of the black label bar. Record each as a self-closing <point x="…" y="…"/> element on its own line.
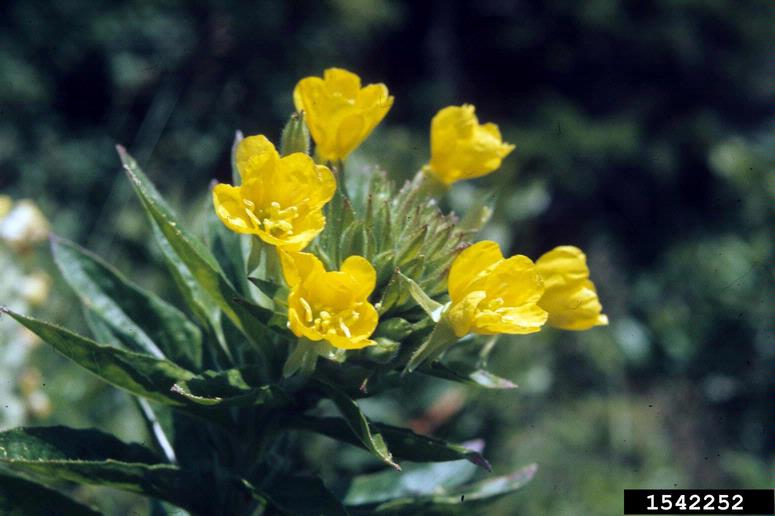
<point x="699" y="501"/>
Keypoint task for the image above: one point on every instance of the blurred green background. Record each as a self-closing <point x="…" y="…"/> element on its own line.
<point x="643" y="134"/>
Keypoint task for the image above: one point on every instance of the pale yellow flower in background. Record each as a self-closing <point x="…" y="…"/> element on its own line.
<point x="570" y="297"/>
<point x="23" y="225"/>
<point x="491" y="294"/>
<point x="462" y="148"/>
<point x="280" y="199"/>
<point x="340" y="113"/>
<point x="331" y="306"/>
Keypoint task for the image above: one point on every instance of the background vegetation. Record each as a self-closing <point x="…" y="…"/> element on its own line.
<point x="643" y="133"/>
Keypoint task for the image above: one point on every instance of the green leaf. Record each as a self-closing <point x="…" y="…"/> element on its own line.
<point x="229" y="389"/>
<point x="199" y="261"/>
<point x="197" y="300"/>
<point x="402" y="442"/>
<point x="463" y="501"/>
<point x="20" y="497"/>
<point x="369" y="438"/>
<point x="416" y="480"/>
<point x="466" y="373"/>
<point x="302" y="496"/>
<point x="440" y="339"/>
<point x="139" y="317"/>
<point x="92" y="457"/>
<point x="137" y="373"/>
<point x="226" y="246"/>
<point x="431" y="307"/>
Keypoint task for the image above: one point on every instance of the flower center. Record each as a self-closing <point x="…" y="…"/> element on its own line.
<point x="275" y="220"/>
<point x="326" y="321"/>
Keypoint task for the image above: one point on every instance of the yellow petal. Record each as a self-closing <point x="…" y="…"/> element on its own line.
<point x="570" y="297"/>
<point x="461" y="314"/>
<point x="297" y="266"/>
<point x="343" y="82"/>
<point x="468" y="266"/>
<point x="230" y="208"/>
<point x="519" y="320"/>
<point x="255" y="156"/>
<point x="363" y="274"/>
<point x="463" y="149"/>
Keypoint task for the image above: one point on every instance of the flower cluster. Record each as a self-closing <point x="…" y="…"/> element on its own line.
<point x="285" y="200"/>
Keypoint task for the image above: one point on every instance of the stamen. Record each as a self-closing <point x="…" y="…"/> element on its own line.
<point x="344" y="328"/>
<point x="307" y="309"/>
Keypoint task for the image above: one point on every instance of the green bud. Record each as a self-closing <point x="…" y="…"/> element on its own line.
<point x="295" y="136"/>
<point x="395" y="328"/>
<point x="383" y="351"/>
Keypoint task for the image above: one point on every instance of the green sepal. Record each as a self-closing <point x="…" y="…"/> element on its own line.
<point x="433" y="308"/>
<point x="295" y="135"/>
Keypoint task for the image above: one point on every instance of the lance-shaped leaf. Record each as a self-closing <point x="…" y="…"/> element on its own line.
<point x="403" y="443"/>
<point x="194" y="255"/>
<point x="229" y="389"/>
<point x="431" y="307"/>
<point x="301" y="496"/>
<point x="466" y="373"/>
<point x="367" y="436"/>
<point x="415" y="480"/>
<point x="137" y="373"/>
<point x="20" y="497"/>
<point x="142" y="320"/>
<point x="439" y="340"/>
<point x="91" y="457"/>
<point x="461" y="501"/>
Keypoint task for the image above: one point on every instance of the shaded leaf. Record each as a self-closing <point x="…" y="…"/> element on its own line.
<point x="368" y="437"/>
<point x="302" y="496"/>
<point x="415" y="480"/>
<point x="466" y="373"/>
<point x="439" y="340"/>
<point x="92" y="457"/>
<point x="140" y="318"/>
<point x="466" y="500"/>
<point x="20" y="497"/>
<point x="403" y="443"/>
<point x="137" y="373"/>
<point x="196" y="257"/>
<point x="229" y="389"/>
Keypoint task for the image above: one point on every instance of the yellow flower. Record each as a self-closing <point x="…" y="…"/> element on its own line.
<point x="330" y="305"/>
<point x="570" y="297"/>
<point x="461" y="148"/>
<point x="339" y="113"/>
<point x="280" y="199"/>
<point x="491" y="294"/>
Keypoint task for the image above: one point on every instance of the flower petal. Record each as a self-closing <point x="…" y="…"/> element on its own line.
<point x="362" y="273"/>
<point x="469" y="265"/>
<point x="229" y="207"/>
